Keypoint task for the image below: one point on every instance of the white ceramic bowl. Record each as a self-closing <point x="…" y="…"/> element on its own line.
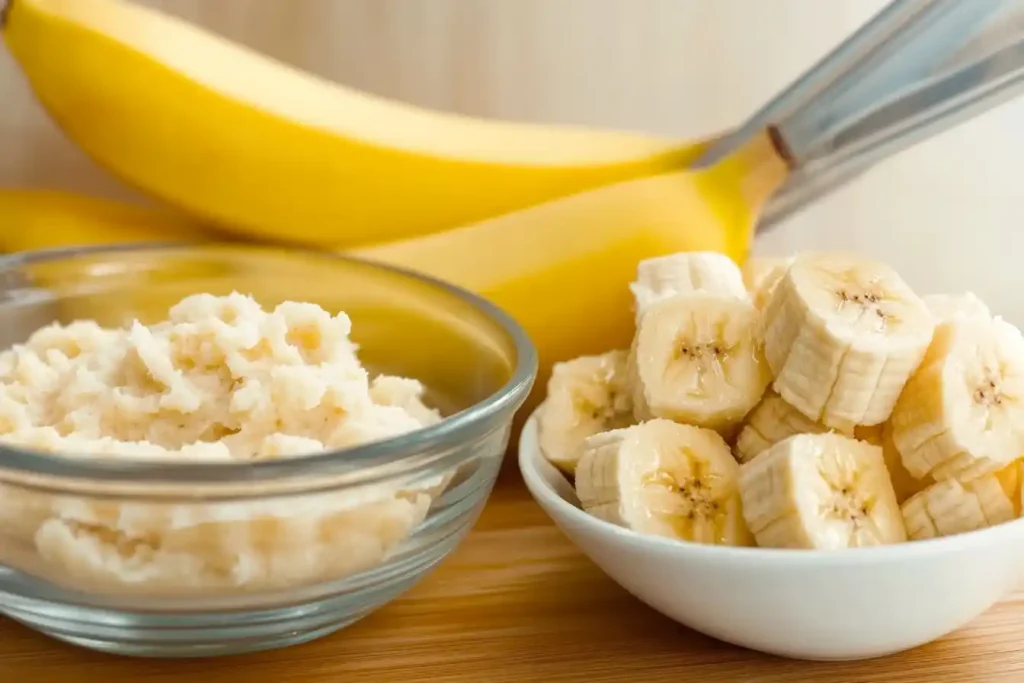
<point x="818" y="605"/>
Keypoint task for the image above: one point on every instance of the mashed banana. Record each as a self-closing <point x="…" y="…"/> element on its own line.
<point x="222" y="380"/>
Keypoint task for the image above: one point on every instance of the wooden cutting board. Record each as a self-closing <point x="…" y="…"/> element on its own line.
<point x="518" y="603"/>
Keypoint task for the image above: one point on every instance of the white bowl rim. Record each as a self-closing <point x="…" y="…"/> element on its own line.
<point x="529" y="452"/>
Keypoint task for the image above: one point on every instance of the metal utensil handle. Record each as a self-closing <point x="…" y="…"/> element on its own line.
<point x="916" y="69"/>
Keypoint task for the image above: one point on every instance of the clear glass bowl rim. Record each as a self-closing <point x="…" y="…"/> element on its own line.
<point x="453" y="429"/>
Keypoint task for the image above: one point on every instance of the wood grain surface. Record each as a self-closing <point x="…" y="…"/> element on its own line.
<point x="518" y="603"/>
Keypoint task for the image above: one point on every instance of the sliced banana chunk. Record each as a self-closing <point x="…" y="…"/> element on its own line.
<point x="947" y="307"/>
<point x="842" y="335"/>
<point x="903" y="483"/>
<point x="824" y="491"/>
<point x="665" y="277"/>
<point x="949" y="507"/>
<point x="1009" y="479"/>
<point x="586" y="396"/>
<point x="665" y="479"/>
<point x="769" y="423"/>
<point x="761" y="274"/>
<point x="961" y="415"/>
<point x="1019" y="498"/>
<point x="698" y="359"/>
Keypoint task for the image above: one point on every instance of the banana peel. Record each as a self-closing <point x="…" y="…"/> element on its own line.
<point x="43" y="219"/>
<point x="267" y="151"/>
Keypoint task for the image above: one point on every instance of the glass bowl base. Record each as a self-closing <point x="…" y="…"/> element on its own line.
<point x="228" y="633"/>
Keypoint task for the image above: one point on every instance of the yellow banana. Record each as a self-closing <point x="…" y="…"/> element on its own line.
<point x="563" y="268"/>
<point x="42" y="219"/>
<point x="263" y="149"/>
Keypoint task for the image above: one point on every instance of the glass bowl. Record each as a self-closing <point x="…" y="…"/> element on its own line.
<point x="186" y="560"/>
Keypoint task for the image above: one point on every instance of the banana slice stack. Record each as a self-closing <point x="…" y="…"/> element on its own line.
<point x="811" y="402"/>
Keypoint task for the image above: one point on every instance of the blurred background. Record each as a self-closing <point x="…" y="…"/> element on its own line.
<point x="680" y="68"/>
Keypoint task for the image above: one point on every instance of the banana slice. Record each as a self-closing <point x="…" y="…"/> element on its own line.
<point x="664" y="479"/>
<point x="842" y="335"/>
<point x="947" y="307"/>
<point x="670" y="276"/>
<point x="586" y="396"/>
<point x="903" y="483"/>
<point x="824" y="491"/>
<point x="961" y="415"/>
<point x="769" y="423"/>
<point x="1019" y="498"/>
<point x="760" y="275"/>
<point x="949" y="507"/>
<point x="698" y="359"/>
<point x="1009" y="479"/>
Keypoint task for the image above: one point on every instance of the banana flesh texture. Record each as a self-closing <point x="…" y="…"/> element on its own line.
<point x="946" y="307"/>
<point x="760" y="275"/>
<point x="950" y="507"/>
<point x="820" y="491"/>
<point x="670" y="276"/>
<point x="1010" y="479"/>
<point x="961" y="416"/>
<point x="697" y="355"/>
<point x="904" y="483"/>
<point x="585" y="396"/>
<point x="665" y="479"/>
<point x="772" y="421"/>
<point x="698" y="359"/>
<point x="842" y="336"/>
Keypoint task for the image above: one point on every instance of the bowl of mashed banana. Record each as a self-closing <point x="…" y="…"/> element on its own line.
<point x="212" y="449"/>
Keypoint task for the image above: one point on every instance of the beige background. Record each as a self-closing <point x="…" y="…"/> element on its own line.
<point x="949" y="213"/>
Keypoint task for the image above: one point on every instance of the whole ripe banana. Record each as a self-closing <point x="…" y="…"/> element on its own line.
<point x="42" y="219"/>
<point x="258" y="147"/>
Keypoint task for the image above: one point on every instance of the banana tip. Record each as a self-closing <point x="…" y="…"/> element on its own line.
<point x="5" y="9"/>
